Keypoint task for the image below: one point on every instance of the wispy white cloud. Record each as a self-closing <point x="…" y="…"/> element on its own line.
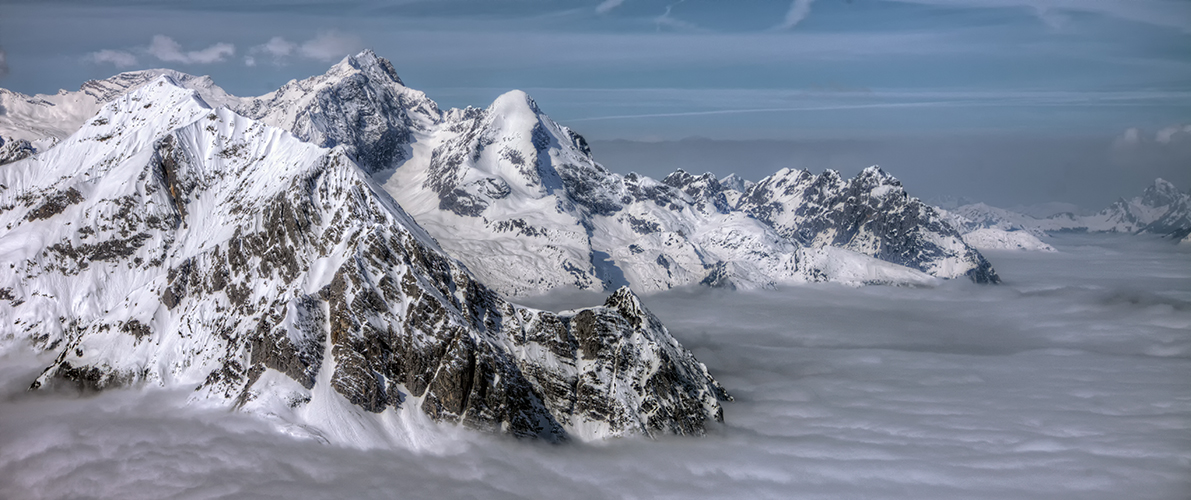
<point x="798" y="11"/>
<point x="607" y="5"/>
<point x="1168" y="13"/>
<point x="1130" y="138"/>
<point x="668" y="21"/>
<point x="169" y="50"/>
<point x="326" y="46"/>
<point x="330" y="45"/>
<point x="117" y="58"/>
<point x="1172" y="133"/>
<point x="278" y="49"/>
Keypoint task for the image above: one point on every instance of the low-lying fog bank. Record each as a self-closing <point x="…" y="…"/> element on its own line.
<point x="1070" y="380"/>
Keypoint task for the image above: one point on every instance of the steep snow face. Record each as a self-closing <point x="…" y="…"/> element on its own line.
<point x="168" y="243"/>
<point x="41" y="117"/>
<point x="870" y="214"/>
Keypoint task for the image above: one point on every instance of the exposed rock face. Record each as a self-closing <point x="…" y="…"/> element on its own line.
<point x="169" y="243"/>
<point x="360" y="104"/>
<point x="14" y="150"/>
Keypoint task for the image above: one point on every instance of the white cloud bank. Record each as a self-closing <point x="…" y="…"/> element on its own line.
<point x="1071" y="380"/>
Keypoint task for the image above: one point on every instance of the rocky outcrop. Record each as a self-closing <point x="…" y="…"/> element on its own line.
<point x="14" y="150"/>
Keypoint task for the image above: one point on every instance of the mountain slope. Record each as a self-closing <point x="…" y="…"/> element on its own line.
<point x="168" y="243"/>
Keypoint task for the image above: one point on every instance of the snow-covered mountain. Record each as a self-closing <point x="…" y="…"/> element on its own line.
<point x="169" y="243"/>
<point x="1162" y="209"/>
<point x="521" y="201"/>
<point x="870" y="214"/>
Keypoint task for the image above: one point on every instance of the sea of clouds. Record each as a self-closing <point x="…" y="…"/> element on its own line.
<point x="1070" y="380"/>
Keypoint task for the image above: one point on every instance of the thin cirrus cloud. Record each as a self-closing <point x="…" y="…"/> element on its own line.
<point x="325" y="47"/>
<point x="607" y="6"/>
<point x="1167" y="13"/>
<point x="798" y="11"/>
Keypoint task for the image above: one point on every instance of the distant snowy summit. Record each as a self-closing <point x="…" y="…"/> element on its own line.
<point x="1161" y="210"/>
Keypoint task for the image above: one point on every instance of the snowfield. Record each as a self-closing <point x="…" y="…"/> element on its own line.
<point x="1070" y="380"/>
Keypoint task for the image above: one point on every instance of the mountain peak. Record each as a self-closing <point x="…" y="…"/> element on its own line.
<point x="369" y="63"/>
<point x="515" y="102"/>
<point x="1161" y="193"/>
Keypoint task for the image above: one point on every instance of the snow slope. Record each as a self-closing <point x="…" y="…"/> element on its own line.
<point x="168" y="243"/>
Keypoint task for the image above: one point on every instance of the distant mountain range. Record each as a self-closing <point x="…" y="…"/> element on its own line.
<point x="1162" y="209"/>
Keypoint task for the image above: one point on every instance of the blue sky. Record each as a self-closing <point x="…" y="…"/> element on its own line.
<point x="657" y="70"/>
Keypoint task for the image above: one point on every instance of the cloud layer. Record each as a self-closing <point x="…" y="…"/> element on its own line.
<point x="1071" y="380"/>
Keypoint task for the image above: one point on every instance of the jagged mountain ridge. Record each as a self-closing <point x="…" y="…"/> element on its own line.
<point x="522" y="202"/>
<point x="520" y="197"/>
<point x="169" y="243"/>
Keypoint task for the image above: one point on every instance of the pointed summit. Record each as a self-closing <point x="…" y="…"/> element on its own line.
<point x="369" y="63"/>
<point x="1161" y="193"/>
